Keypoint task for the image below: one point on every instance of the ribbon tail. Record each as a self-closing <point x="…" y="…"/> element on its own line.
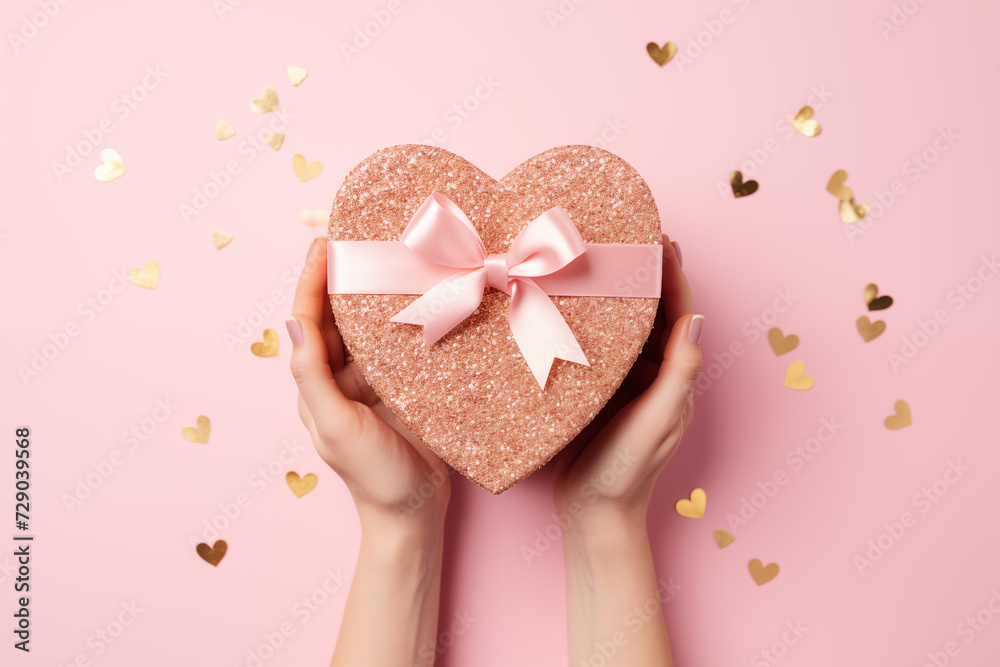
<point x="445" y="304"/>
<point x="540" y="330"/>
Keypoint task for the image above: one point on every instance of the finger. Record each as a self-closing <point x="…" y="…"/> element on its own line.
<point x="675" y="295"/>
<point x="331" y="332"/>
<point x="679" y="370"/>
<point x="312" y="298"/>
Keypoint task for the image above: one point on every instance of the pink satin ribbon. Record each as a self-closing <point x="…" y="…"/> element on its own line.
<point x="441" y="257"/>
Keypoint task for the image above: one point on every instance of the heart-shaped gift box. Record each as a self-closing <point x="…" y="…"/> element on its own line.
<point x="471" y="396"/>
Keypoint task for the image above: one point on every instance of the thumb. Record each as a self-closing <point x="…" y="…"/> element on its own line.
<point x="335" y="415"/>
<point x="680" y="367"/>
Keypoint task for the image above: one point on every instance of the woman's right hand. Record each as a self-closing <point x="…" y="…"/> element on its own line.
<point x="391" y="475"/>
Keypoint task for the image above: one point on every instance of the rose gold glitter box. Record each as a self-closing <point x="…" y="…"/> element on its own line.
<point x="471" y="396"/>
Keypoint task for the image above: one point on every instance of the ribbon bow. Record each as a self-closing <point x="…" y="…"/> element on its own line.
<point x="441" y="257"/>
<point x="441" y="233"/>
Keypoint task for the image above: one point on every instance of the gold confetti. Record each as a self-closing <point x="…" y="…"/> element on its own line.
<point x="901" y="419"/>
<point x="870" y="330"/>
<point x="306" y="171"/>
<point x="851" y="212"/>
<point x="741" y="189"/>
<point x="300" y="486"/>
<point x="212" y="555"/>
<point x="112" y="168"/>
<point x="148" y="276"/>
<point x="803" y="122"/>
<point x="220" y="238"/>
<point x="223" y="130"/>
<point x="198" y="433"/>
<point x="661" y="56"/>
<point x="693" y="508"/>
<point x="781" y="343"/>
<point x="274" y="140"/>
<point x="269" y="348"/>
<point x="723" y="538"/>
<point x="761" y="573"/>
<point x="796" y="378"/>
<point x="874" y="301"/>
<point x="836" y="187"/>
<point x="267" y="102"/>
<point x="314" y="216"/>
<point x="297" y="75"/>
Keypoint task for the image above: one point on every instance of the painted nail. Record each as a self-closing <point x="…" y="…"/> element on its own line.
<point x="677" y="249"/>
<point x="294" y="330"/>
<point x="695" y="328"/>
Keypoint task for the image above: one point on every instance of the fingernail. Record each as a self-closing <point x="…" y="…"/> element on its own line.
<point x="695" y="328"/>
<point x="294" y="330"/>
<point x="677" y="249"/>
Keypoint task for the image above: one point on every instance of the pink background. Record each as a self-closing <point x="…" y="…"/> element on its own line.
<point x="684" y="127"/>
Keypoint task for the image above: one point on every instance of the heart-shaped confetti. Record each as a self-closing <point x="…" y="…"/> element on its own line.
<point x="300" y="486"/>
<point x="836" y="187"/>
<point x="780" y="343"/>
<point x="275" y="140"/>
<point x="723" y="538"/>
<point x="267" y="102"/>
<point x="148" y="276"/>
<point x="796" y="378"/>
<point x="851" y="212"/>
<point x="661" y="55"/>
<point x="297" y="75"/>
<point x="901" y="419"/>
<point x="802" y="121"/>
<point x="874" y="301"/>
<point x="314" y="216"/>
<point x="112" y="168"/>
<point x="741" y="189"/>
<point x="220" y="238"/>
<point x="305" y="170"/>
<point x="223" y="130"/>
<point x="212" y="555"/>
<point x="870" y="330"/>
<point x="470" y="397"/>
<point x="200" y="432"/>
<point x="269" y="348"/>
<point x="761" y="573"/>
<point x="693" y="507"/>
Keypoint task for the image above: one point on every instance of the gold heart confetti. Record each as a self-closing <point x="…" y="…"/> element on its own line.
<point x="723" y="538"/>
<point x="870" y="330"/>
<point x="300" y="486"/>
<point x="267" y="102"/>
<point x="112" y="168"/>
<point x="741" y="189"/>
<point x="836" y="187"/>
<point x="297" y="75"/>
<point x="198" y="433"/>
<point x="274" y="140"/>
<point x="851" y="212"/>
<point x="781" y="343"/>
<point x="661" y="56"/>
<point x="306" y="171"/>
<point x="147" y="277"/>
<point x="693" y="508"/>
<point x="901" y="419"/>
<point x="212" y="555"/>
<point x="269" y="348"/>
<point x="314" y="216"/>
<point x="796" y="378"/>
<point x="874" y="301"/>
<point x="223" y="130"/>
<point x="803" y="122"/>
<point x="220" y="238"/>
<point x="761" y="573"/>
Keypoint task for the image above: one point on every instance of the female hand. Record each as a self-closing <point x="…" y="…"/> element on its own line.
<point x="389" y="472"/>
<point x="610" y="469"/>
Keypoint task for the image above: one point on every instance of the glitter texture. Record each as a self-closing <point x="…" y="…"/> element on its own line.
<point x="471" y="397"/>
